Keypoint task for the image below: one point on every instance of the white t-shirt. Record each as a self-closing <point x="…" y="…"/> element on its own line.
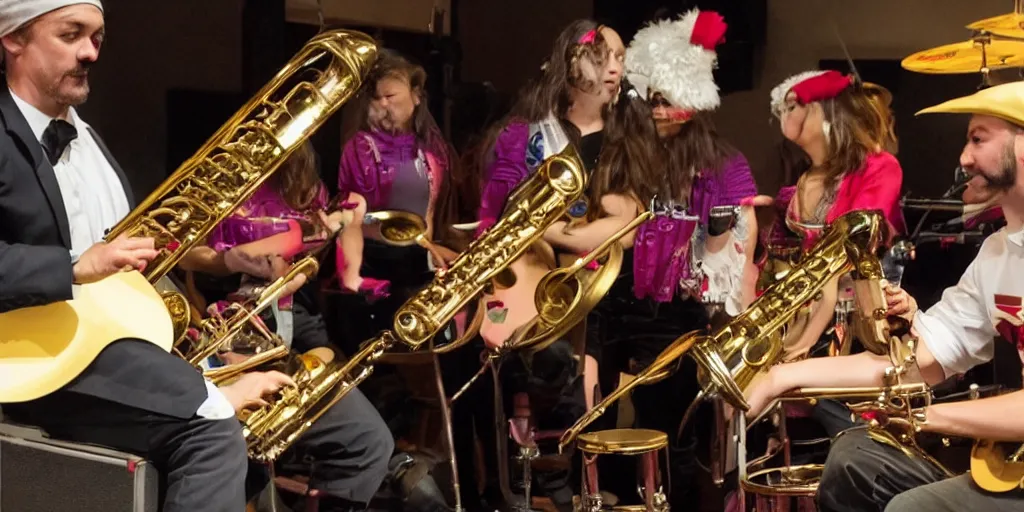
<point x="987" y="302"/>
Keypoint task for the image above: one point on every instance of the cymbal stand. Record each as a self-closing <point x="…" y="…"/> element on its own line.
<point x="984" y="39"/>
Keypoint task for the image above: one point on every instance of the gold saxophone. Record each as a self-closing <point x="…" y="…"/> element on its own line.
<point x="536" y="204"/>
<point x="230" y="167"/>
<point x="731" y="356"/>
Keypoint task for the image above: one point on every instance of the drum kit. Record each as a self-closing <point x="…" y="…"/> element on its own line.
<point x="997" y="43"/>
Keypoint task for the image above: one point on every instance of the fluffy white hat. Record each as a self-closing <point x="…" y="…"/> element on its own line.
<point x="15" y="13"/>
<point x="780" y="91"/>
<point x="677" y="58"/>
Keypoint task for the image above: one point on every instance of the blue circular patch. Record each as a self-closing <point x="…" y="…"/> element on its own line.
<point x="535" y="150"/>
<point x="578" y="209"/>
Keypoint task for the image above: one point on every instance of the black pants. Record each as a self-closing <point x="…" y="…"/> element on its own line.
<point x="202" y="462"/>
<point x="345" y="453"/>
<point x="864" y="475"/>
<point x="626" y="334"/>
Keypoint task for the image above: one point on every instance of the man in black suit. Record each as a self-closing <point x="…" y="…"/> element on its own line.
<point x="60" y="190"/>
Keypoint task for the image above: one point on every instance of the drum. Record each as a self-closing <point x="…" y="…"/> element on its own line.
<point x="642" y="443"/>
<point x="783" y="489"/>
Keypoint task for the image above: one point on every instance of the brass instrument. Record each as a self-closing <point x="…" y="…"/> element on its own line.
<point x="898" y="404"/>
<point x="537" y="203"/>
<point x="732" y="355"/>
<point x="249" y="147"/>
<point x="565" y="295"/>
<point x="182" y="211"/>
<point x="222" y="175"/>
<point x="397" y="227"/>
<point x="238" y="328"/>
<point x="235" y="161"/>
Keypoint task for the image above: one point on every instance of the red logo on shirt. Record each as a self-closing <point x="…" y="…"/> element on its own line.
<point x="1009" y="319"/>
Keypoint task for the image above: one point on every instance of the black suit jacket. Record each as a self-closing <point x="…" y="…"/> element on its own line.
<point x="35" y="269"/>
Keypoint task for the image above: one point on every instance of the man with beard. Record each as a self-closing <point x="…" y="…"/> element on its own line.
<point x="60" y="189"/>
<point x="953" y="336"/>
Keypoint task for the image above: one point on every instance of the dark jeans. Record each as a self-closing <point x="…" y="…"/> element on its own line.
<point x="626" y="334"/>
<point x="863" y="475"/>
<point x="345" y="453"/>
<point x="202" y="462"/>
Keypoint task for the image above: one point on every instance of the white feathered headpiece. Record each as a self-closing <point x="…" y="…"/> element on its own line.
<point x="677" y="58"/>
<point x="810" y="86"/>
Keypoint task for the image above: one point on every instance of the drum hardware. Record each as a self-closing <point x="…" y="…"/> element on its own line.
<point x="980" y="54"/>
<point x="1010" y="25"/>
<point x="645" y="444"/>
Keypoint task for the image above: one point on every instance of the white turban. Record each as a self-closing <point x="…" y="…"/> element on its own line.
<point x="16" y="13"/>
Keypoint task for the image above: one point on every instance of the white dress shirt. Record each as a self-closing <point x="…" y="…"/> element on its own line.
<point x="960" y="329"/>
<point x="95" y="201"/>
<point x="93" y="195"/>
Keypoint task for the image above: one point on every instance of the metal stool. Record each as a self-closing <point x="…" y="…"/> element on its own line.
<point x="641" y="442"/>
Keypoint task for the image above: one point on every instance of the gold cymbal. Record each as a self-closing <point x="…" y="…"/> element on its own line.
<point x="1005" y="25"/>
<point x="966" y="57"/>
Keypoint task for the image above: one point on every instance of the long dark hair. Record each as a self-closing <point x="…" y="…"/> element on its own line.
<point x="298" y="181"/>
<point x="549" y="93"/>
<point x="697" y="147"/>
<point x="862" y="123"/>
<point x="560" y="73"/>
<point x="632" y="159"/>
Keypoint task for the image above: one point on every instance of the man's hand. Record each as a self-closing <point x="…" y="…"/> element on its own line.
<point x="250" y="389"/>
<point x="108" y="258"/>
<point x="899" y="301"/>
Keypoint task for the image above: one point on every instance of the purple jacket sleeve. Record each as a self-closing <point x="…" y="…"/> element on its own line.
<point x="358" y="169"/>
<point x="736" y="182"/>
<point x="506" y="172"/>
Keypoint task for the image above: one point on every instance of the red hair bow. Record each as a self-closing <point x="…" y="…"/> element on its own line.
<point x="708" y="30"/>
<point x="825" y="86"/>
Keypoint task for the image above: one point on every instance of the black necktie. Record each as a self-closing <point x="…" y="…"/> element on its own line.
<point x="56" y="138"/>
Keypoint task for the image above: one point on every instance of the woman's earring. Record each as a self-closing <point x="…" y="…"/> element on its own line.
<point x="826" y="129"/>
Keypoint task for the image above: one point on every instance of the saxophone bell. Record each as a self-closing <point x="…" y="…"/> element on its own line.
<point x="565" y="295"/>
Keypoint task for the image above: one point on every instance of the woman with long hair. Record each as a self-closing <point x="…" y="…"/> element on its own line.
<point x="660" y="296"/>
<point x="845" y="129"/>
<point x="397" y="160"/>
<point x="574" y="101"/>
